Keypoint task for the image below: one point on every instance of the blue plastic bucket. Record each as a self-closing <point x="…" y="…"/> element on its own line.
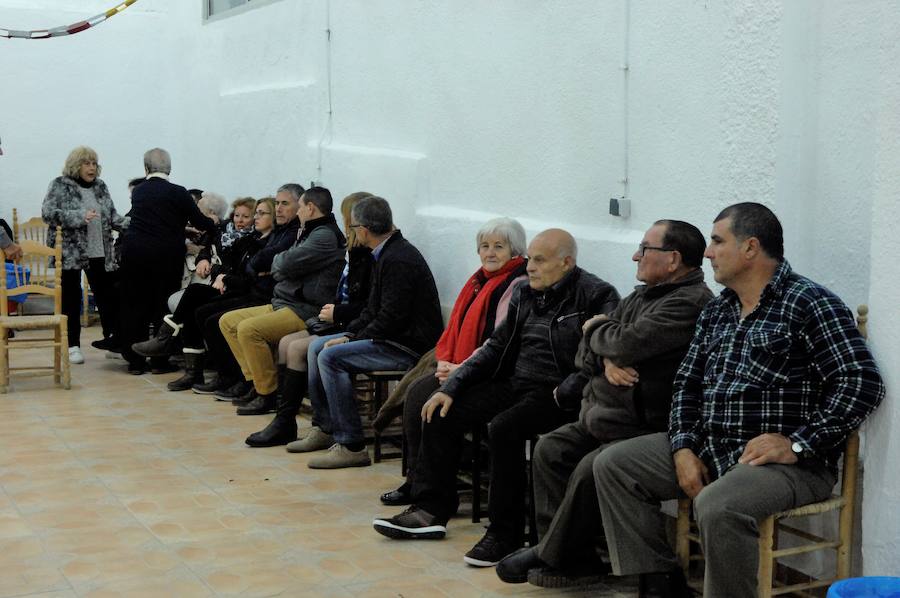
<point x="873" y="587"/>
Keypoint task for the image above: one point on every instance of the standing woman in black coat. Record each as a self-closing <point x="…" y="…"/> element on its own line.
<point x="153" y="254"/>
<point x="79" y="202"/>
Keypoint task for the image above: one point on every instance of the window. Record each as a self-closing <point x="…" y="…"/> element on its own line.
<point x="215" y="8"/>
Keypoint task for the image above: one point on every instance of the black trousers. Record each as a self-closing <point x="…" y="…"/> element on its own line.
<point x="102" y="285"/>
<point x="514" y="415"/>
<point x="195" y="296"/>
<point x="417" y="395"/>
<point x="146" y="281"/>
<point x="206" y="318"/>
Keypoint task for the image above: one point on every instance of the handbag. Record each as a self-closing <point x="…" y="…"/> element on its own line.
<point x="319" y="327"/>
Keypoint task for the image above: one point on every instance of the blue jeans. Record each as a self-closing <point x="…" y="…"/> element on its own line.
<point x="335" y="369"/>
<point x="320" y="417"/>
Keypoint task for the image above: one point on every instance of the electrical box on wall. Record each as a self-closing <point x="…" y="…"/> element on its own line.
<point x="619" y="207"/>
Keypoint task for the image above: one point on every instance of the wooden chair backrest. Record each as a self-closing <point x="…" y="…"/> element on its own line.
<point x="35" y="257"/>
<point x="33" y="229"/>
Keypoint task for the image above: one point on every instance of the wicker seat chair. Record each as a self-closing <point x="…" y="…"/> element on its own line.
<point x="35" y="258"/>
<point x="686" y="534"/>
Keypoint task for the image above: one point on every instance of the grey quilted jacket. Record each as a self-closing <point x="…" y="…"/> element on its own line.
<point x="63" y="207"/>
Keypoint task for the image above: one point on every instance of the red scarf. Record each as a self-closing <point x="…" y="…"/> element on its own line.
<point x="468" y="318"/>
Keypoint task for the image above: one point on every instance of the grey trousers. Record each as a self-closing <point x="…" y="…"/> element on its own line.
<point x="566" y="508"/>
<point x="632" y="478"/>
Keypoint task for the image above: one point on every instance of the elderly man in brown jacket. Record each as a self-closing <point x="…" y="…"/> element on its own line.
<point x="628" y="360"/>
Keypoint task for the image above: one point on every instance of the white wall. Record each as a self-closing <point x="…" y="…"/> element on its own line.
<point x="110" y="87"/>
<point x="458" y="111"/>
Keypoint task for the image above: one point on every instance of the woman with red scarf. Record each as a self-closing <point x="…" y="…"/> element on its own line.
<point x="480" y="307"/>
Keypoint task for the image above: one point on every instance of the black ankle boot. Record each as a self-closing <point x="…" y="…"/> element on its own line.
<point x="283" y="429"/>
<point x="261" y="405"/>
<point x="193" y="372"/>
<point x="164" y="344"/>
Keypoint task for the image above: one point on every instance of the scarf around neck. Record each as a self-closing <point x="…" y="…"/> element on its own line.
<point x="232" y="234"/>
<point x="468" y="319"/>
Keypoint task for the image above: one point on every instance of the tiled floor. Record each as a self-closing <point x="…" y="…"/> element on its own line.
<point x="120" y="488"/>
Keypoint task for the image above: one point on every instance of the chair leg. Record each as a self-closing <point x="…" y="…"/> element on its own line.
<point x="57" y="357"/>
<point x="378" y="399"/>
<point x="476" y="474"/>
<point x="682" y="529"/>
<point x="85" y="318"/>
<point x="4" y="360"/>
<point x="764" y="575"/>
<point x="64" y="352"/>
<point x="845" y="535"/>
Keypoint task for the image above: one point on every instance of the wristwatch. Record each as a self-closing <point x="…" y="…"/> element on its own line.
<point x="801" y="452"/>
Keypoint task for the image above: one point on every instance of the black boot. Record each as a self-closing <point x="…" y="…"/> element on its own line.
<point x="283" y="429"/>
<point x="164" y="344"/>
<point x="260" y="405"/>
<point x="193" y="372"/>
<point x="216" y="385"/>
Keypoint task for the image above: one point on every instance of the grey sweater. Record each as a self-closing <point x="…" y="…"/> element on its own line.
<point x="650" y="331"/>
<point x="306" y="275"/>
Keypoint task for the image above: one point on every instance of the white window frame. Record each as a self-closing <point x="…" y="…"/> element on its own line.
<point x="230" y="12"/>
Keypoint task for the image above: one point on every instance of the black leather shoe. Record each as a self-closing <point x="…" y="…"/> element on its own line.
<point x="514" y="568"/>
<point x="245" y="398"/>
<point x="550" y="577"/>
<point x="235" y="391"/>
<point x="214" y="386"/>
<point x="671" y="584"/>
<point x="163" y="367"/>
<point x="137" y="368"/>
<point x="261" y="405"/>
<point x="396" y="498"/>
<point x="107" y="344"/>
<point x="281" y="430"/>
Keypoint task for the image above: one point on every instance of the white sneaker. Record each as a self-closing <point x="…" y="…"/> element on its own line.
<point x="75" y="355"/>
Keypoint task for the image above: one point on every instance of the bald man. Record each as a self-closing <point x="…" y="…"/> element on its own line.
<point x="509" y="383"/>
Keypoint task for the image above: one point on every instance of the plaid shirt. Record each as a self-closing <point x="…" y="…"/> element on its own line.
<point x="796" y="366"/>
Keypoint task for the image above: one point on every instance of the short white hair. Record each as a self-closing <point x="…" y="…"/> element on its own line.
<point x="507" y="228"/>
<point x="158" y="160"/>
<point x="214" y="203"/>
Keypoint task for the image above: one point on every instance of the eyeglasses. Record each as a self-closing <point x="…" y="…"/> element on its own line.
<point x="260" y="214"/>
<point x="356" y="225"/>
<point x="642" y="249"/>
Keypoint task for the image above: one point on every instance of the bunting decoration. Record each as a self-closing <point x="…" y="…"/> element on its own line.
<point x="67" y="29"/>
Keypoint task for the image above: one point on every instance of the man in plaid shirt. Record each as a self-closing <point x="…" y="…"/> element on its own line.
<point x="776" y="377"/>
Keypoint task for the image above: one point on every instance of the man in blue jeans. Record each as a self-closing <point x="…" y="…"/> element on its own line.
<point x="401" y="321"/>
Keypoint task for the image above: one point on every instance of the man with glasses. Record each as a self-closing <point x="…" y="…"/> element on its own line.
<point x="627" y="360"/>
<point x="775" y="379"/>
<point x="401" y="321"/>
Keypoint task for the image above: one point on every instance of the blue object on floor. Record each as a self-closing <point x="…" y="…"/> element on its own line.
<point x="11" y="281"/>
<point x="874" y="587"/>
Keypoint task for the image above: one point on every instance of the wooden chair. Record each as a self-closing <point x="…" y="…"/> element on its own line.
<point x="35" y="229"/>
<point x="770" y="528"/>
<point x="35" y="257"/>
<point x="372" y="389"/>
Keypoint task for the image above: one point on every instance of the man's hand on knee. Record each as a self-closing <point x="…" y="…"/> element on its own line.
<point x="336" y="341"/>
<point x="692" y="473"/>
<point x="768" y="448"/>
<point x="438" y="400"/>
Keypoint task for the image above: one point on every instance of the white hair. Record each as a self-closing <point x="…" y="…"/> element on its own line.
<point x="507" y="228"/>
<point x="213" y="203"/>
